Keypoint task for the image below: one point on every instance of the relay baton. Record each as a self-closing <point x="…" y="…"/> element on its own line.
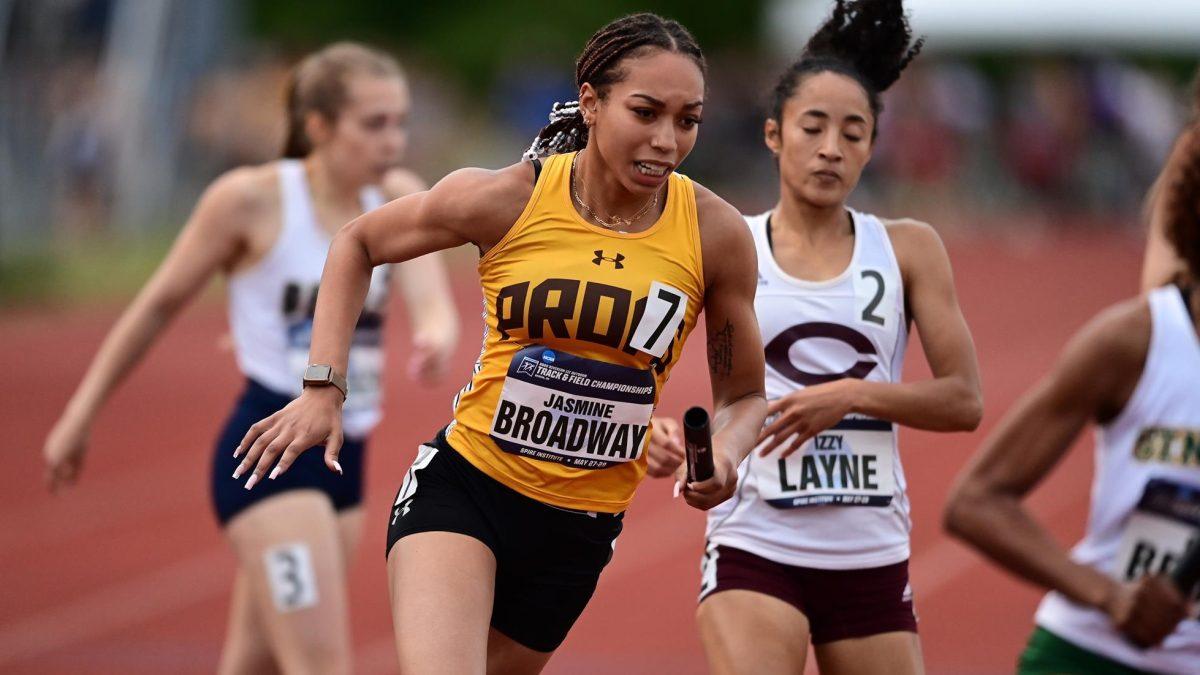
<point x="1187" y="572"/>
<point x="697" y="440"/>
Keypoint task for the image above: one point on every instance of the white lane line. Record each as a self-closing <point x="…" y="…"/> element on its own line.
<point x="647" y="548"/>
<point x="940" y="565"/>
<point x="118" y="606"/>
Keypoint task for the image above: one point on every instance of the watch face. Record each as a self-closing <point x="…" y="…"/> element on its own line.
<point x="318" y="374"/>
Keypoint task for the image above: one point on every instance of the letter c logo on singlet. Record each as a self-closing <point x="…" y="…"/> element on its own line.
<point x="777" y="352"/>
<point x="849" y="464"/>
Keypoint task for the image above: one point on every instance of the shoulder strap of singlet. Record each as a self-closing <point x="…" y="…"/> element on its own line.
<point x="294" y="195"/>
<point x="537" y="170"/>
<point x="771" y="244"/>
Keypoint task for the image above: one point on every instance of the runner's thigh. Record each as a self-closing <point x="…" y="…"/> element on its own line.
<point x="750" y="632"/>
<point x="441" y="586"/>
<point x="898" y="652"/>
<point x="290" y="550"/>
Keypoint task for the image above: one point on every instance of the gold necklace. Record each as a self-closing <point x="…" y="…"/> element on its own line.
<point x="609" y="222"/>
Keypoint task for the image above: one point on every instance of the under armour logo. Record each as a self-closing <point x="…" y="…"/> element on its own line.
<point x="400" y="512"/>
<point x="615" y="261"/>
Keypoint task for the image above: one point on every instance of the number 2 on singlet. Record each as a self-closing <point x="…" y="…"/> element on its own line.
<point x="871" y="297"/>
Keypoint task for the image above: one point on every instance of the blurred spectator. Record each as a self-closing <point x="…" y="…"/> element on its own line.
<point x="79" y="151"/>
<point x="964" y="139"/>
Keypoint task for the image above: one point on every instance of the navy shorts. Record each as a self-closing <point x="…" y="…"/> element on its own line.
<point x="308" y="472"/>
<point x="839" y="604"/>
<point x="548" y="559"/>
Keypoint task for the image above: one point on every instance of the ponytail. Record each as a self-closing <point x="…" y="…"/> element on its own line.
<point x="566" y="132"/>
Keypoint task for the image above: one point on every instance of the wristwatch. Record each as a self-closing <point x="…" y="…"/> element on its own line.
<point x="323" y="375"/>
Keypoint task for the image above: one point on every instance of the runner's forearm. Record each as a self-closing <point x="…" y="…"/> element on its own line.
<point x="736" y="426"/>
<point x="939" y="404"/>
<point x="344" y="285"/>
<point x="122" y="349"/>
<point x="1002" y="529"/>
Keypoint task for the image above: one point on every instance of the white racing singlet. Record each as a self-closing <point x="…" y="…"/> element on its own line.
<point x="1145" y="504"/>
<point x="271" y="307"/>
<point x="839" y="501"/>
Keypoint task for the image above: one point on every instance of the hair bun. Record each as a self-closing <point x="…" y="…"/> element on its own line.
<point x="873" y="36"/>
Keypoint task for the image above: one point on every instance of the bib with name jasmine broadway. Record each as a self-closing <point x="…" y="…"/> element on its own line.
<point x="582" y="327"/>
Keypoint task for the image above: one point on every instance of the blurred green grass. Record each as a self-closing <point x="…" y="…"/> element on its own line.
<point x="96" y="271"/>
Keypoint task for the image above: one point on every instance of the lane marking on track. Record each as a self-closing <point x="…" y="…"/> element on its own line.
<point x="943" y="563"/>
<point x="934" y="569"/>
<point x="118" y="606"/>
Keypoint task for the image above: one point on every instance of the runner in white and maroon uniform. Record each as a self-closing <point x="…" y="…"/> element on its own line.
<point x="814" y="545"/>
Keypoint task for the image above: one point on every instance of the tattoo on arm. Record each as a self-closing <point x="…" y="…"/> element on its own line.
<point x="720" y="351"/>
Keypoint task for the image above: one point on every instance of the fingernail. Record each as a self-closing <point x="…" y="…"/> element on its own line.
<point x="338" y="466"/>
<point x="238" y="472"/>
<point x="237" y="451"/>
<point x="253" y="479"/>
<point x="274" y="472"/>
<point x="678" y="488"/>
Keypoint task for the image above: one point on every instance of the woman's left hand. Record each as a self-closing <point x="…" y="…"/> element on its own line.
<point x="804" y="413"/>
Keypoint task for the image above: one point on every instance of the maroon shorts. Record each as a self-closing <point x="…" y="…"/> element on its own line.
<point x="839" y="604"/>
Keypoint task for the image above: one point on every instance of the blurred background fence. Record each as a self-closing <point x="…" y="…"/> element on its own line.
<point x="1025" y="114"/>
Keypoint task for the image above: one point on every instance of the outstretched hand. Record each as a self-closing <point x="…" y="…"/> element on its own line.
<point x="315" y="418"/>
<point x="65" y="448"/>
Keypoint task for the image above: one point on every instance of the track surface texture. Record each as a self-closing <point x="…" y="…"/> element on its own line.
<point x="127" y="571"/>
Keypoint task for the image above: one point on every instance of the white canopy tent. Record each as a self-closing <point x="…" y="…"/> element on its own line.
<point x="1171" y="26"/>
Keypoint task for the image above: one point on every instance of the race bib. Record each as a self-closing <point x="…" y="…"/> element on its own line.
<point x="558" y="407"/>
<point x="850" y="464"/>
<point x="365" y="365"/>
<point x="1160" y="529"/>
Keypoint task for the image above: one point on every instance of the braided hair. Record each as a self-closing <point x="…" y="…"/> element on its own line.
<point x="599" y="65"/>
<point x="868" y="41"/>
<point x="1182" y="223"/>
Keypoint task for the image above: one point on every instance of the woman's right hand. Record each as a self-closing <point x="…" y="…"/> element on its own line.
<point x="1147" y="610"/>
<point x="64" y="451"/>
<point x="315" y="418"/>
<point x="665" y="452"/>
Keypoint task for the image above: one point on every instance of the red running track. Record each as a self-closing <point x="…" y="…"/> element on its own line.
<point x="127" y="572"/>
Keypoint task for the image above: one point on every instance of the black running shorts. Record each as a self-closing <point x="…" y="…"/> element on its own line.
<point x="548" y="559"/>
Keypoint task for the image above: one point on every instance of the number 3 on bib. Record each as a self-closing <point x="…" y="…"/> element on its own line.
<point x="666" y="308"/>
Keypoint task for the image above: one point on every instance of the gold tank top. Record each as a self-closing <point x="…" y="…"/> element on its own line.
<point x="582" y="328"/>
